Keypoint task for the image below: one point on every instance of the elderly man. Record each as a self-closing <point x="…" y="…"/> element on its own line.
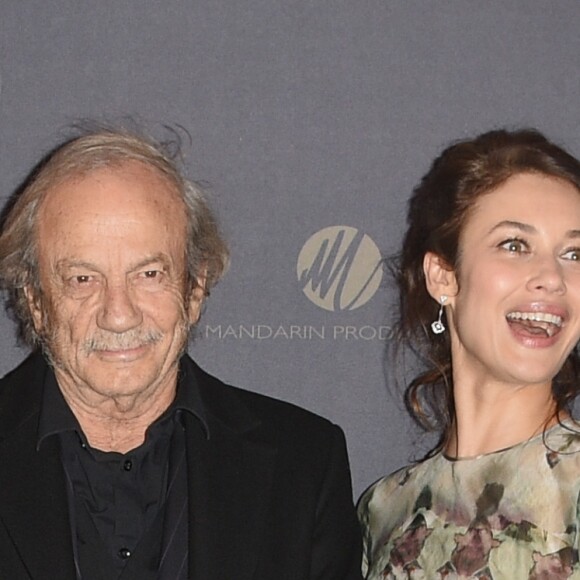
<point x="120" y="457"/>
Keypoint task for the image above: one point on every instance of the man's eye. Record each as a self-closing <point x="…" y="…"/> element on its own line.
<point x="151" y="276"/>
<point x="80" y="280"/>
<point x="81" y="285"/>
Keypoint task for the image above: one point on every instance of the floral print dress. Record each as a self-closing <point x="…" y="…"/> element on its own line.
<point x="512" y="514"/>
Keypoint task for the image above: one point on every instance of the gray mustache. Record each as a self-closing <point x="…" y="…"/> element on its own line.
<point x="126" y="340"/>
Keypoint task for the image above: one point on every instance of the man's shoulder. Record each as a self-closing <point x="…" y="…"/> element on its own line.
<point x="21" y="392"/>
<point x="276" y="410"/>
<point x="273" y="414"/>
<point x="31" y="369"/>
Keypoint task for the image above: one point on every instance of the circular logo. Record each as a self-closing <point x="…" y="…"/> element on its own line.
<point x="339" y="268"/>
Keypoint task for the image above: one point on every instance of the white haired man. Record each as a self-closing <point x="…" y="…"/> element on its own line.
<point x="120" y="457"/>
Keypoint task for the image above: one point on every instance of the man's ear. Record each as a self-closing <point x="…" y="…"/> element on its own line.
<point x="34" y="307"/>
<point x="439" y="276"/>
<point x="196" y="298"/>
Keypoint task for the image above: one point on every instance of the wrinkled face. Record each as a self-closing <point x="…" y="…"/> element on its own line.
<point x="112" y="261"/>
<point x="516" y="315"/>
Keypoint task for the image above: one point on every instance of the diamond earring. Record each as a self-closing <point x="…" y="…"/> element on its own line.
<point x="437" y="326"/>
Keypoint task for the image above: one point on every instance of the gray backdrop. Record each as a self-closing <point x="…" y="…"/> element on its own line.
<point x="304" y="115"/>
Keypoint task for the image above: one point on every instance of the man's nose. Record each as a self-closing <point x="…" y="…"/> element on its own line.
<point x="118" y="312"/>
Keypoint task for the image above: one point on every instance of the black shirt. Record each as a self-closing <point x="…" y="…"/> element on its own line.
<point x="118" y="497"/>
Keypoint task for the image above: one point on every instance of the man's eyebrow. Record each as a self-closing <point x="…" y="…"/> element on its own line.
<point x="160" y="257"/>
<point x="68" y="263"/>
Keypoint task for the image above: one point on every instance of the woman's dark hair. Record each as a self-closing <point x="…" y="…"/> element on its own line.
<point x="438" y="210"/>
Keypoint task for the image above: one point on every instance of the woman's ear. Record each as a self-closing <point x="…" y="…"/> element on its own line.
<point x="439" y="276"/>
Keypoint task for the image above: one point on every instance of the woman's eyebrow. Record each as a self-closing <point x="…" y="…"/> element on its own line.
<point x="528" y="229"/>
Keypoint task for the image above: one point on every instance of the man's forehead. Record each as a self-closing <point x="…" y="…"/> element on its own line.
<point x="120" y="186"/>
<point x="128" y="209"/>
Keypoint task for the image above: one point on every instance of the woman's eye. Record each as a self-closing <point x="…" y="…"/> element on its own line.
<point x="514" y="246"/>
<point x="572" y="254"/>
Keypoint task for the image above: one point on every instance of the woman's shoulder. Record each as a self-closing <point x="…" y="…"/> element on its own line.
<point x="563" y="438"/>
<point x="388" y="487"/>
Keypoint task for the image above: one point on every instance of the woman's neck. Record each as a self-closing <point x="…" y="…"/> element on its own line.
<point x="495" y="416"/>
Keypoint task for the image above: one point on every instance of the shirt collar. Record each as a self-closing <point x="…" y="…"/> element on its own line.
<point x="57" y="417"/>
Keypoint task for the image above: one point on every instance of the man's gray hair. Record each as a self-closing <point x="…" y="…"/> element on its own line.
<point x="207" y="253"/>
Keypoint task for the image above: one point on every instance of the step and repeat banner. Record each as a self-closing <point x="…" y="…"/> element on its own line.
<point x="309" y="123"/>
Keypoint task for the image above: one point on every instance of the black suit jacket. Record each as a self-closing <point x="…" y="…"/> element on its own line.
<point x="269" y="491"/>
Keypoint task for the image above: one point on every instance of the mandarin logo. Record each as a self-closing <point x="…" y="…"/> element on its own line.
<point x="339" y="268"/>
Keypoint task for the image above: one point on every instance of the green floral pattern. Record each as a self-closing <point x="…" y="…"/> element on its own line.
<point x="511" y="515"/>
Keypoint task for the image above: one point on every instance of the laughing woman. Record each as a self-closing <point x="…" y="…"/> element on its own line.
<point x="489" y="282"/>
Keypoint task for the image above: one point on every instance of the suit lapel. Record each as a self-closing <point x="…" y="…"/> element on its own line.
<point x="230" y="480"/>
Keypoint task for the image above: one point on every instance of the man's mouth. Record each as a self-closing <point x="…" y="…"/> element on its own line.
<point x="536" y="323"/>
